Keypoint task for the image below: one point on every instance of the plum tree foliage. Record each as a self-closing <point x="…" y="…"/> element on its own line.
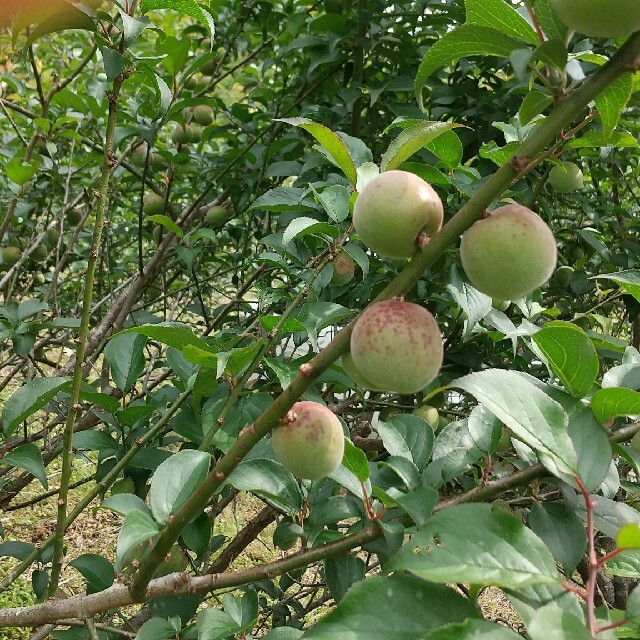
<point x="275" y="304"/>
<point x="393" y="209"/>
<point x="311" y="443"/>
<point x="508" y="254"/>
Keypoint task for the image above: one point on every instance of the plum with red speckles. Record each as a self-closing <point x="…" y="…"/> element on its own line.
<point x="393" y="209"/>
<point x="509" y="254"/>
<point x="311" y="445"/>
<point x="397" y="346"/>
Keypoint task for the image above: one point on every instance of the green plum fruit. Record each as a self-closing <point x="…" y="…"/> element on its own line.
<point x="599" y="18"/>
<point x="393" y="209"/>
<point x="343" y="269"/>
<point x="397" y="346"/>
<point x="196" y="132"/>
<point x="181" y="135"/>
<point x="74" y="217"/>
<point x="153" y="204"/>
<point x="566" y="177"/>
<point x="508" y="254"/>
<point x="11" y="255"/>
<point x="311" y="443"/>
<point x="429" y="414"/>
<point x="40" y="253"/>
<point x="203" y="115"/>
<point x="216" y="216"/>
<point x="563" y="275"/>
<point x="53" y="235"/>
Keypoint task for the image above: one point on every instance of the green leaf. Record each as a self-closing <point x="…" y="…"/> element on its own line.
<point x="137" y="529"/>
<point x="497" y="550"/>
<point x="308" y="226"/>
<point x="532" y="415"/>
<point x="633" y="605"/>
<point x="473" y="630"/>
<point x="125" y="355"/>
<point x="402" y="607"/>
<point x="534" y="103"/>
<point x="418" y="503"/>
<point x="16" y="549"/>
<point x="114" y="62"/>
<point x="341" y="572"/>
<point x="290" y="325"/>
<point x="156" y="629"/>
<point x="596" y="139"/>
<point x="132" y="27"/>
<point x="96" y="570"/>
<point x="356" y="461"/>
<point x="454" y="450"/>
<point x="20" y="172"/>
<point x="612" y="100"/>
<point x="570" y="354"/>
<point x="409" y="437"/>
<point x="173" y="334"/>
<point x="70" y="18"/>
<point x="331" y="142"/>
<point x="552" y="622"/>
<point x="614" y="402"/>
<point x="167" y="223"/>
<point x="467" y="40"/>
<point x="549" y="21"/>
<point x="94" y="440"/>
<point x="188" y="7"/>
<point x="175" y="480"/>
<point x="123" y="503"/>
<point x="242" y="610"/>
<point x="629" y="280"/>
<point x="270" y="480"/>
<point x="214" y="624"/>
<point x="473" y="302"/>
<point x="335" y="201"/>
<point x="500" y="15"/>
<point x="561" y="530"/>
<point x="553" y="53"/>
<point x="412" y="140"/>
<point x="28" y="457"/>
<point x="282" y="199"/>
<point x="28" y="399"/>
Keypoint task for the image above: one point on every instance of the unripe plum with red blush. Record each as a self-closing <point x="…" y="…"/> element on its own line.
<point x="310" y="442"/>
<point x="397" y="346"/>
<point x="343" y="269"/>
<point x="508" y="254"/>
<point x="393" y="209"/>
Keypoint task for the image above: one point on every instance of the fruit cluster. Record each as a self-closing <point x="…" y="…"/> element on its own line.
<point x="396" y="346"/>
